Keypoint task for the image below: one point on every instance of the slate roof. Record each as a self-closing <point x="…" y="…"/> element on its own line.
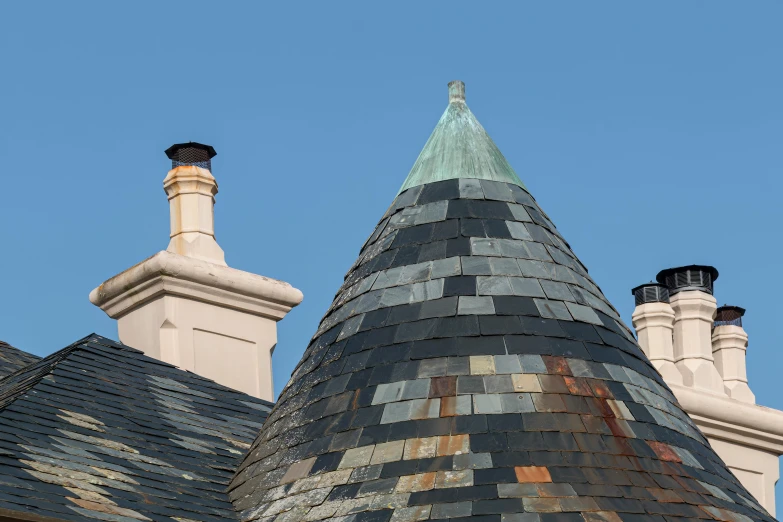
<point x="11" y="359"/>
<point x="99" y="431"/>
<point x="470" y="367"/>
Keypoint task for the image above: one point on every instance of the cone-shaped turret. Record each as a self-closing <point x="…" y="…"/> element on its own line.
<point x="469" y="366"/>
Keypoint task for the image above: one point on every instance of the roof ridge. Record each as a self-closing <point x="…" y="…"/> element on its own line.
<point x="14" y="385"/>
<point x="13" y="359"/>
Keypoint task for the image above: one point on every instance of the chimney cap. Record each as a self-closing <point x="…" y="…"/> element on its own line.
<point x="729" y="315"/>
<point x="650" y="293"/>
<point x="690" y="277"/>
<point x="172" y="151"/>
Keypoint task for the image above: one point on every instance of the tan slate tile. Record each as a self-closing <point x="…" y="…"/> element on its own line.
<point x="298" y="470"/>
<point x="454" y="479"/>
<point x="420" y="448"/>
<point x="333" y="478"/>
<point x="356" y="457"/>
<point x="526" y="382"/>
<point x="390" y="501"/>
<point x="482" y="365"/>
<point x="411" y="514"/>
<point x="453" y="445"/>
<point x="109" y="509"/>
<point x="418" y="482"/>
<point x="602" y="516"/>
<point x="388" y="452"/>
<point x="541" y="505"/>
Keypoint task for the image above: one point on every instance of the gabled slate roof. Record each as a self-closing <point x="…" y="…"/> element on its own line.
<point x="11" y="359"/>
<point x="470" y="367"/>
<point x="99" y="431"/>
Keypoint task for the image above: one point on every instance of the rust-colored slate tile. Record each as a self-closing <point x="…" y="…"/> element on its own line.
<point x="663" y="451"/>
<point x="556" y="365"/>
<point x="578" y="386"/>
<point x="443" y="386"/>
<point x="532" y="474"/>
<point x="448" y="406"/>
<point x="600" y="389"/>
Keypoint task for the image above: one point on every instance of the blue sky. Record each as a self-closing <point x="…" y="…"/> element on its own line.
<point x="650" y="132"/>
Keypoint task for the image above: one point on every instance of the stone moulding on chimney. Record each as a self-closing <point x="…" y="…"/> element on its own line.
<point x="210" y="319"/>
<point x="198" y="280"/>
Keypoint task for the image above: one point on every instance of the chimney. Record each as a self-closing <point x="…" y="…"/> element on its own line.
<point x="191" y="189"/>
<point x="729" y="345"/>
<point x="653" y="319"/>
<point x="690" y="291"/>
<point x="185" y="306"/>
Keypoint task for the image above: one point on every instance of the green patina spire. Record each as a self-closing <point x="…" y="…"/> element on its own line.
<point x="459" y="147"/>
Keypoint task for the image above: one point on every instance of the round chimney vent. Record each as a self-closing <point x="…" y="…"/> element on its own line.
<point x="692" y="277"/>
<point x="650" y="293"/>
<point x="191" y="153"/>
<point x="729" y="315"/>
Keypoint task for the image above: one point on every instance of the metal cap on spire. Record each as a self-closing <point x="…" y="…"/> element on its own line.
<point x="457" y="91"/>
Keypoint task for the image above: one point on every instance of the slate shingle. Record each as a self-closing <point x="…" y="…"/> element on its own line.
<point x="99" y="431"/>
<point x="13" y="359"/>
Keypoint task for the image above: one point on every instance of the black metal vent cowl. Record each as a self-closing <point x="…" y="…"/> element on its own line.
<point x="692" y="277"/>
<point x="729" y="316"/>
<point x="650" y="293"/>
<point x="191" y="153"/>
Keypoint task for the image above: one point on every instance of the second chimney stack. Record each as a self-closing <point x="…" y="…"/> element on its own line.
<point x="690" y="288"/>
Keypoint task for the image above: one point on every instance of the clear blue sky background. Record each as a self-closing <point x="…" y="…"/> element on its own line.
<point x="650" y="132"/>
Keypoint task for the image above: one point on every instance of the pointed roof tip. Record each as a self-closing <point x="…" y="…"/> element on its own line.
<point x="459" y="147"/>
<point x="457" y="91"/>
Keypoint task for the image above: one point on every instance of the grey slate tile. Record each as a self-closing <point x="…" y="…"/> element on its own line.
<point x="473" y="305"/>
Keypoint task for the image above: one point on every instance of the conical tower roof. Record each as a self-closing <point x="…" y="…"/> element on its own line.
<point x="470" y="367"/>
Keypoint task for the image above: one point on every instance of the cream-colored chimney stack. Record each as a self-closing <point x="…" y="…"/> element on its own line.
<point x="185" y="306"/>
<point x="191" y="188"/>
<point x="690" y="290"/>
<point x="705" y="369"/>
<point x="653" y="319"/>
<point x="729" y="344"/>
